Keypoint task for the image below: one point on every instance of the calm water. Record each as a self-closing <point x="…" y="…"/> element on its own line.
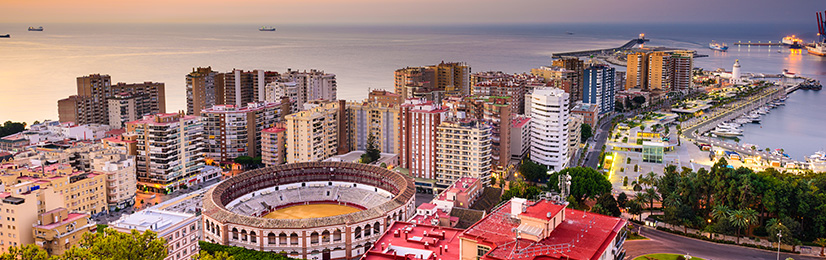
<point x="38" y="68"/>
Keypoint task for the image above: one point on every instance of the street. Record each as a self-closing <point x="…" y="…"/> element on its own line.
<point x="664" y="242"/>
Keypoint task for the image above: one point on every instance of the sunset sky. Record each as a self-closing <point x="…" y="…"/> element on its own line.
<point x="408" y="12"/>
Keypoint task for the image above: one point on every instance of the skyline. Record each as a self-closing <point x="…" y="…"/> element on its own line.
<point x="420" y="12"/>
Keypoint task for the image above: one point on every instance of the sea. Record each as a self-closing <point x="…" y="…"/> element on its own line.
<point x="38" y="68"/>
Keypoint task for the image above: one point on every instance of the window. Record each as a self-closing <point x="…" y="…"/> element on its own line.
<point x="481" y="251"/>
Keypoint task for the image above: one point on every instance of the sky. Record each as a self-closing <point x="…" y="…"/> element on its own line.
<point x="276" y="12"/>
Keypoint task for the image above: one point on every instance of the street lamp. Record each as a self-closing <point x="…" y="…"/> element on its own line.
<point x="779" y="235"/>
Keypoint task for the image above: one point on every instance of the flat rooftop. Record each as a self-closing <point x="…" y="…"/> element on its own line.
<point x="151" y="219"/>
<point x="416" y="241"/>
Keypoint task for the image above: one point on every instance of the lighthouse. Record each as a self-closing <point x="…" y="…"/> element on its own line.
<point x="735" y="73"/>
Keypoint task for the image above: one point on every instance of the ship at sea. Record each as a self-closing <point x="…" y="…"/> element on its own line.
<point x="266" y="29"/>
<point x="5" y="36"/>
<point x="819" y="47"/>
<point x="792" y="42"/>
<point x="718" y="46"/>
<point x="35" y="29"/>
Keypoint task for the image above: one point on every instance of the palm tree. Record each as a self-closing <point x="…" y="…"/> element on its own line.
<point x="652" y="195"/>
<point x="742" y="219"/>
<point x="822" y="243"/>
<point x="720" y="212"/>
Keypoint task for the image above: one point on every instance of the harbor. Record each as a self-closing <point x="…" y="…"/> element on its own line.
<point x="721" y="130"/>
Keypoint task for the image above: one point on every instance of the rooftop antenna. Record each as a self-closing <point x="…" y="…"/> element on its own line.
<point x="564" y="185"/>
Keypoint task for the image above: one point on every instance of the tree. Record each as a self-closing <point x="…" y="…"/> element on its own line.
<point x="243" y="160"/>
<point x="112" y="245"/>
<point x="634" y="208"/>
<point x="26" y="252"/>
<point x="10" y="128"/>
<point x="585" y="131"/>
<point x="652" y="195"/>
<point x="586" y="183"/>
<point x="372" y="152"/>
<point x="622" y="200"/>
<point x="219" y="255"/>
<point x="609" y="204"/>
<point x="532" y="171"/>
<point x="742" y="219"/>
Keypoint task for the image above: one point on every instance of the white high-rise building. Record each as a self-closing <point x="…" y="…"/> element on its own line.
<point x="735" y="73"/>
<point x="312" y="85"/>
<point x="549" y="127"/>
<point x="463" y="149"/>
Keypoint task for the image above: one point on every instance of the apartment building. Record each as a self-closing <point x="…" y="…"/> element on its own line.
<point x="58" y="230"/>
<point x="231" y="131"/>
<point x="274" y="145"/>
<point x="463" y="149"/>
<point x="568" y="80"/>
<point x="636" y="73"/>
<point x="599" y="87"/>
<point x="91" y="106"/>
<point x="549" y="127"/>
<point x="419" y="119"/>
<point x="127" y="107"/>
<point x="121" y="178"/>
<point x="377" y="119"/>
<point x="312" y="135"/>
<point x="169" y="150"/>
<point x="20" y="210"/>
<point x="181" y="230"/>
<point x="204" y="89"/>
<point x="434" y="81"/>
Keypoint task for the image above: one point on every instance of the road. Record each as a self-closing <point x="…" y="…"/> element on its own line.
<point x="663" y="242"/>
<point x="592" y="157"/>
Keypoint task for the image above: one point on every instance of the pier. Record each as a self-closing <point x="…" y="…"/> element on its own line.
<point x="630" y="44"/>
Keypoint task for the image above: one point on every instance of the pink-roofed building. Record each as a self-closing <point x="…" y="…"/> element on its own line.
<point x="410" y="241"/>
<point x="274" y="145"/>
<point x="543" y="229"/>
<point x="419" y="119"/>
<point x="520" y="137"/>
<point x="58" y="230"/>
<point x="169" y="150"/>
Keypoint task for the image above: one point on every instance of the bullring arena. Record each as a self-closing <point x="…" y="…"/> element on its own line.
<point x="314" y="210"/>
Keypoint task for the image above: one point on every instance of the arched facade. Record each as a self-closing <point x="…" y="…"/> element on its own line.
<point x="336" y="237"/>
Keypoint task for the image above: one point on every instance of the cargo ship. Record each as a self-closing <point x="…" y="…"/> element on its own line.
<point x="717" y="46"/>
<point x="5" y="36"/>
<point x="36" y="29"/>
<point x="266" y="29"/>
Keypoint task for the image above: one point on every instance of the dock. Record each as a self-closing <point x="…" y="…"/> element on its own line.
<point x="749" y="43"/>
<point x="630" y="44"/>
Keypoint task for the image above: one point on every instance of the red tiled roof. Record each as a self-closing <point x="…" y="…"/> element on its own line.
<point x="274" y="130"/>
<point x="568" y="240"/>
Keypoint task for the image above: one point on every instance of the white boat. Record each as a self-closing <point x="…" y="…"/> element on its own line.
<point x="726" y="132"/>
<point x="730" y="126"/>
<point x="818" y="157"/>
<point x="754" y="117"/>
<point x="742" y="120"/>
<point x="762" y="111"/>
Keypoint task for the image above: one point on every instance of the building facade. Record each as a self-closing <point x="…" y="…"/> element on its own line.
<point x="549" y="128"/>
<point x="312" y="135"/>
<point x="463" y="149"/>
<point x="231" y="131"/>
<point x="599" y="87"/>
<point x="170" y="150"/>
<point x="204" y="89"/>
<point x="58" y="230"/>
<point x="376" y="119"/>
<point x="419" y="119"/>
<point x="180" y="230"/>
<point x="121" y="176"/>
<point x="434" y="81"/>
<point x="274" y="145"/>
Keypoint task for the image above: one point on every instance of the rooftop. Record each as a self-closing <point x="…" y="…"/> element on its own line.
<point x="520" y="121"/>
<point x="580" y="236"/>
<point x="69" y="218"/>
<point x="416" y="241"/>
<point x="155" y="220"/>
